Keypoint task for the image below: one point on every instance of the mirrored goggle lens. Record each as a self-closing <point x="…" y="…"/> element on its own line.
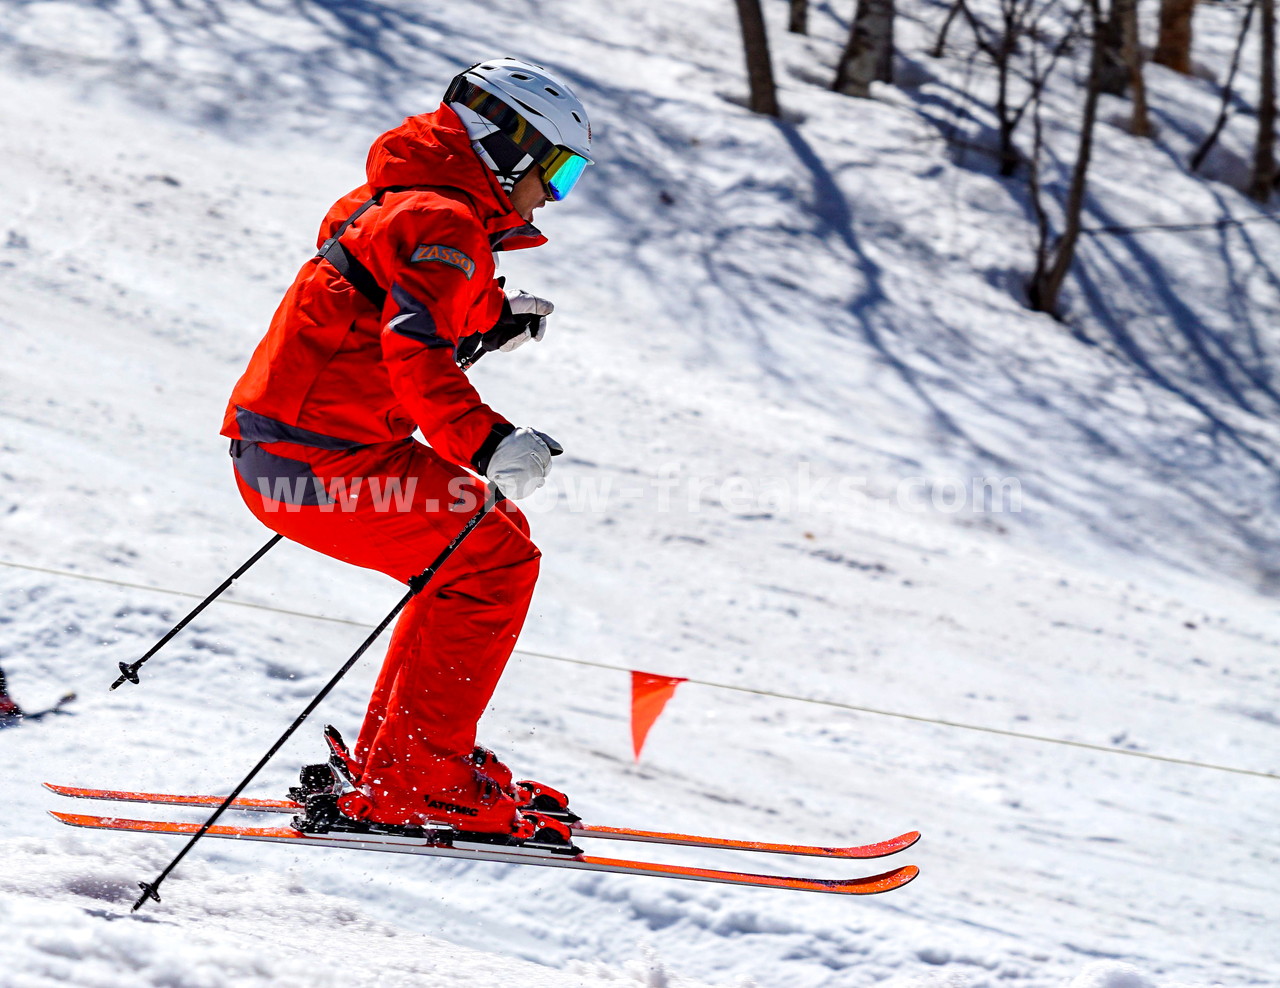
<point x="563" y="174"/>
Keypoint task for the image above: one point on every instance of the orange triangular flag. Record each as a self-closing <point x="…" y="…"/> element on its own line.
<point x="649" y="694"/>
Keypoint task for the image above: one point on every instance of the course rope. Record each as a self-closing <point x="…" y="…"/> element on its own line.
<point x="731" y="687"/>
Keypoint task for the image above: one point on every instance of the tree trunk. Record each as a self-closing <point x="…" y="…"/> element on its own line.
<point x="1173" y="48"/>
<point x="868" y="57"/>
<point x="1002" y="54"/>
<point x="1264" y="155"/>
<point x="1047" y="281"/>
<point x="1126" y="11"/>
<point x="764" y="96"/>
<point x="1115" y="70"/>
<point x="799" y="23"/>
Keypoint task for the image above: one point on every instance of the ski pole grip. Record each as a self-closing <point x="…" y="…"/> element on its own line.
<point x="467" y="361"/>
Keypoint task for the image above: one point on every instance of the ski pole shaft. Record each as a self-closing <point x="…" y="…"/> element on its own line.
<point x="129" y="670"/>
<point x="150" y="890"/>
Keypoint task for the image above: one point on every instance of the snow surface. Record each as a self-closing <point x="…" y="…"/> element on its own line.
<point x="833" y="297"/>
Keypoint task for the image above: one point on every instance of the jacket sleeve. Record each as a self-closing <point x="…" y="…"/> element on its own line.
<point x="441" y="289"/>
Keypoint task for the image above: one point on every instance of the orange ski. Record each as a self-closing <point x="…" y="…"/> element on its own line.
<point x="175" y="799"/>
<point x="446" y="845"/>
<point x="878" y="850"/>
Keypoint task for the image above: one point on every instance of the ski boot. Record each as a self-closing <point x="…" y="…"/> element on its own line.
<point x="529" y="795"/>
<point x="10" y="712"/>
<point x="465" y="805"/>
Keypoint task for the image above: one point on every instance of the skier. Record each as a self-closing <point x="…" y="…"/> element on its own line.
<point x="10" y="712"/>
<point x="363" y="350"/>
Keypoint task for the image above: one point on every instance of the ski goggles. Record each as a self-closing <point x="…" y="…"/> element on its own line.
<point x="561" y="169"/>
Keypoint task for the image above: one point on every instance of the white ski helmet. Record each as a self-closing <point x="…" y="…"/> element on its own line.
<point x="518" y="114"/>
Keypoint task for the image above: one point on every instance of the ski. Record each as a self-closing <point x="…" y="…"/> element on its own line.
<point x="55" y="709"/>
<point x="877" y="850"/>
<point x="444" y="845"/>
<point x="30" y="715"/>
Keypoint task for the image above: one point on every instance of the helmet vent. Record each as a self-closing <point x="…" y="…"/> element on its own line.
<point x="552" y="91"/>
<point x="520" y="76"/>
<point x="575" y="116"/>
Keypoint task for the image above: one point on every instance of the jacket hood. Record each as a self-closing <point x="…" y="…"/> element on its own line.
<point x="433" y="149"/>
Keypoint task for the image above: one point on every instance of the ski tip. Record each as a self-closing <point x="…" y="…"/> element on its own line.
<point x="887" y="882"/>
<point x="905" y="840"/>
<point x="73" y="791"/>
<point x="880" y="850"/>
<point x="70" y="819"/>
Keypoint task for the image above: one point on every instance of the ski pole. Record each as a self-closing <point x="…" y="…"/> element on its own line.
<point x="129" y="670"/>
<point x="150" y="890"/>
<point x="470" y="350"/>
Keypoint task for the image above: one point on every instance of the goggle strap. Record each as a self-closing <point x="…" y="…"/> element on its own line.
<point x="500" y="114"/>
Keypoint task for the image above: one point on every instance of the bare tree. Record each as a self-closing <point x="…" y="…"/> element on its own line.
<point x="1000" y="48"/>
<point x="799" y="22"/>
<point x="1018" y="21"/>
<point x="1173" y="47"/>
<point x="764" y="95"/>
<point x="1224" y="108"/>
<point x="1264" y="155"/>
<point x="1053" y="262"/>
<point x="941" y="42"/>
<point x="868" y="57"/>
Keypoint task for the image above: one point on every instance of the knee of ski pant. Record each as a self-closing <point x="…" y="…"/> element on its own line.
<point x="516" y="517"/>
<point x="513" y="552"/>
<point x="515" y="542"/>
<point x="518" y="550"/>
<point x="499" y="554"/>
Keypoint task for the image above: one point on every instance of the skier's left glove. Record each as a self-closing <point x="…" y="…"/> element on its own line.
<point x="517" y="461"/>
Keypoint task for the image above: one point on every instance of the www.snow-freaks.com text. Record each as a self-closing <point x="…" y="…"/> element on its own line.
<point x="669" y="489"/>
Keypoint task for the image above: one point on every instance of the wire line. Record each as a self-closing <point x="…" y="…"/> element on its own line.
<point x="1218" y="224"/>
<point x="836" y="704"/>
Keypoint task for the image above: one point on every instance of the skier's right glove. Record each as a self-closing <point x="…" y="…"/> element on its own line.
<point x="524" y="318"/>
<point x="519" y="464"/>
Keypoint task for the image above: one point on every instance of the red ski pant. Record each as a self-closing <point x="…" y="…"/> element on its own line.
<point x="453" y="639"/>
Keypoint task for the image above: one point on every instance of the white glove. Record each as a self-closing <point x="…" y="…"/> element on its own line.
<point x="531" y="313"/>
<point x="520" y="464"/>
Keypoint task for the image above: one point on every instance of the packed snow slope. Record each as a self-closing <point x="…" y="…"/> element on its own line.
<point x="796" y="382"/>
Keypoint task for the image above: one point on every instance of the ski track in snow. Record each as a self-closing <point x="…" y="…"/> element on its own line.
<point x="833" y="291"/>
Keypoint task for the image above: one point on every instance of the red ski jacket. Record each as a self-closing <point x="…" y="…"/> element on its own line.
<point x="333" y="371"/>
